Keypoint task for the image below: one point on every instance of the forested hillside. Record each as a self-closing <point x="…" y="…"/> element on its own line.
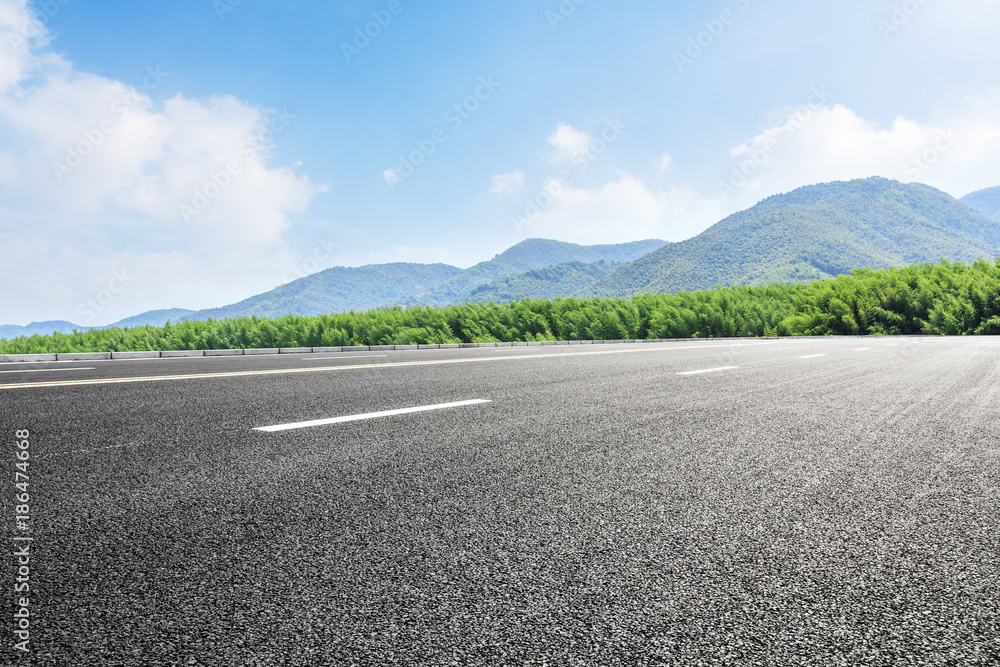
<point x="985" y="201"/>
<point x="815" y="232"/>
<point x="550" y="282"/>
<point x="339" y="289"/>
<point x="943" y="298"/>
<point x="528" y="255"/>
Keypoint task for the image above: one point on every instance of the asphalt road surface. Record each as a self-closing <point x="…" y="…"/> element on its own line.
<point x="801" y="502"/>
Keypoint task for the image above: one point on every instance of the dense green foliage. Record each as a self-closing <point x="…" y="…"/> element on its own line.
<point x="985" y="201"/>
<point x="528" y="255"/>
<point x="944" y="298"/>
<point x="815" y="232"/>
<point x="550" y="282"/>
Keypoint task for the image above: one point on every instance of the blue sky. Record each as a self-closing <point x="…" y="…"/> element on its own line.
<point x="232" y="146"/>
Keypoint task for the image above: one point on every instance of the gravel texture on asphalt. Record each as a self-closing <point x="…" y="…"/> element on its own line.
<point x="600" y="510"/>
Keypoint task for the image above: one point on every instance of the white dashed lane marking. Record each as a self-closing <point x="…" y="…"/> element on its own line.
<point x="367" y="415"/>
<point x="710" y="370"/>
<point x="365" y="356"/>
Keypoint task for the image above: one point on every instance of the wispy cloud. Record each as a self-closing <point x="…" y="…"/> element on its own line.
<point x="508" y="183"/>
<point x="568" y="142"/>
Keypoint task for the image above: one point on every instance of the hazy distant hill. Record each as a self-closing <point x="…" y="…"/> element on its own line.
<point x="815" y="232"/>
<point x="547" y="283"/>
<point x="363" y="288"/>
<point x="985" y="201"/>
<point x="8" y="331"/>
<point x="529" y="255"/>
<point x="339" y="289"/>
<point x="157" y="318"/>
<point x="154" y="317"/>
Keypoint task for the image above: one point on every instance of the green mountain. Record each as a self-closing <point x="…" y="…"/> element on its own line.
<point x="814" y="232"/>
<point x="985" y="201"/>
<point x="156" y="318"/>
<point x="338" y="289"/>
<point x="550" y="282"/>
<point x="528" y="255"/>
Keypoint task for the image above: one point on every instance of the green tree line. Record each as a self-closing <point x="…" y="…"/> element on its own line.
<point x="948" y="298"/>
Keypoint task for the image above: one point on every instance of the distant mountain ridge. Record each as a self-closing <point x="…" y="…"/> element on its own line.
<point x="814" y="232"/>
<point x="154" y="317"/>
<point x="985" y="201"/>
<point x="377" y="285"/>
<point x="339" y="289"/>
<point x="529" y="255"/>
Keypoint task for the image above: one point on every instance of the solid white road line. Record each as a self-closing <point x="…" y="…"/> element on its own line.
<point x="369" y="415"/>
<point x="709" y="370"/>
<point x="812" y="356"/>
<point x="362" y="367"/>
<point x="862" y="349"/>
<point x="51" y="370"/>
<point x="137" y="361"/>
<point x="366" y="356"/>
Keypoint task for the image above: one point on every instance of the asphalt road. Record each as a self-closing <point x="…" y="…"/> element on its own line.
<point x="600" y="509"/>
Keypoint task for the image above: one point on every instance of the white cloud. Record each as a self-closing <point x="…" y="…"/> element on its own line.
<point x="666" y="160"/>
<point x="619" y="211"/>
<point x="21" y="31"/>
<point x="97" y="175"/>
<point x="957" y="153"/>
<point x="508" y="183"/>
<point x="568" y="143"/>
